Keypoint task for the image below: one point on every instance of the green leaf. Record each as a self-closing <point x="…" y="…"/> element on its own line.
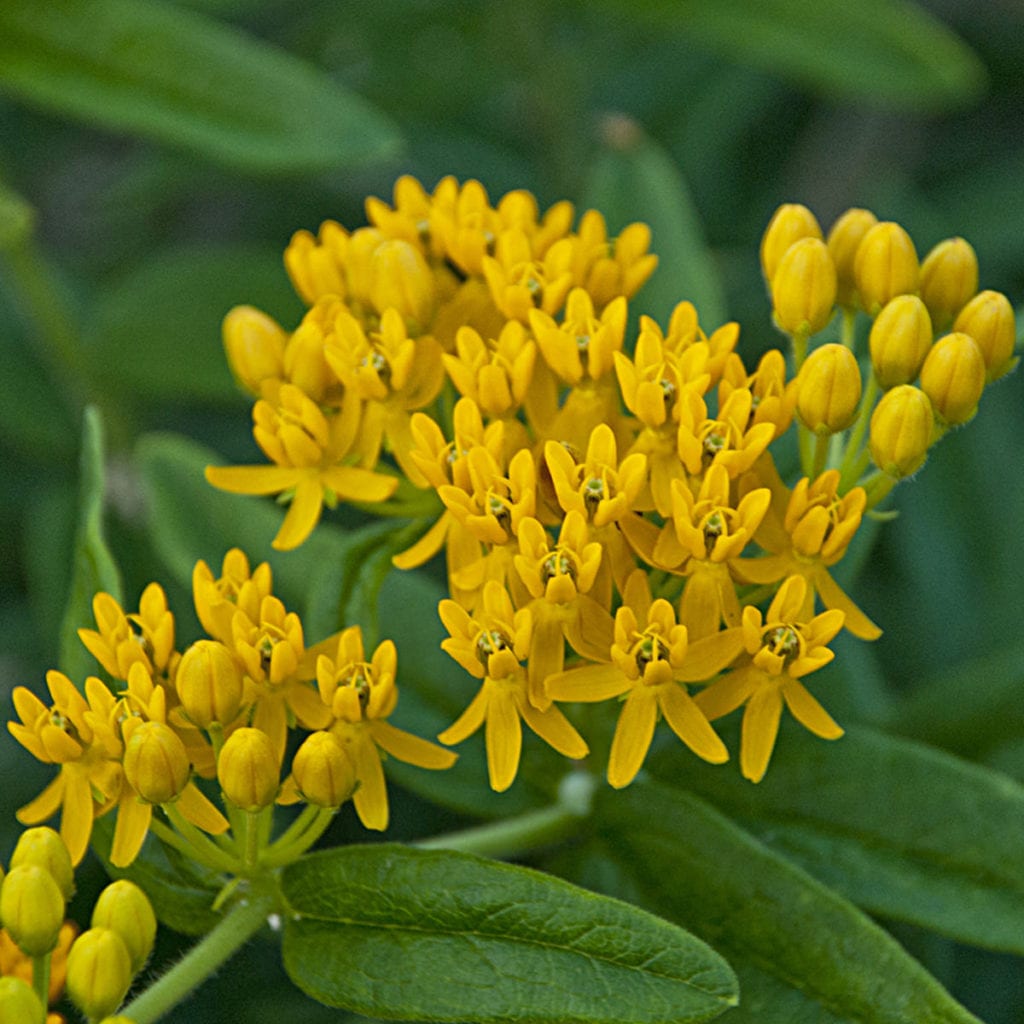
<point x="177" y="77"/>
<point x="635" y="179"/>
<point x="157" y="333"/>
<point x="803" y="940"/>
<point x="889" y="52"/>
<point x="903" y="830"/>
<point x="441" y="936"/>
<point x="94" y="566"/>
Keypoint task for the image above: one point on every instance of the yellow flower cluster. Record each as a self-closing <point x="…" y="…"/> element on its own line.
<point x="221" y="709"/>
<point x="610" y="509"/>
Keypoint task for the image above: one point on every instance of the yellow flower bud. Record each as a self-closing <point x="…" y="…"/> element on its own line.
<point x="323" y="772"/>
<point x="953" y="377"/>
<point x="988" y="318"/>
<point x="804" y="287"/>
<point x="789" y="224"/>
<point x="401" y="279"/>
<point x="124" y="908"/>
<point x="949" y="277"/>
<point x="843" y="239"/>
<point x="18" y="1002"/>
<point x="156" y="763"/>
<point x="828" y="389"/>
<point x="99" y="972"/>
<point x="209" y="684"/>
<point x="899" y="341"/>
<point x="44" y="847"/>
<point x="248" y="770"/>
<point x="902" y="430"/>
<point x="254" y="344"/>
<point x="885" y="266"/>
<point x="32" y="908"/>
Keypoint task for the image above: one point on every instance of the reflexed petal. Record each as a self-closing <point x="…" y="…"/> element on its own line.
<point x="194" y="805"/>
<point x="729" y="692"/>
<point x="556" y="730"/>
<point x="504" y="735"/>
<point x="808" y="712"/>
<point x="371" y="795"/>
<point x="701" y="607"/>
<point x="354" y="484"/>
<point x="833" y="596"/>
<point x="588" y="683"/>
<point x="768" y="569"/>
<point x="547" y="654"/>
<point x="29" y="740"/>
<point x="76" y="817"/>
<point x="45" y="805"/>
<point x="309" y="709"/>
<point x="426" y="547"/>
<point x="708" y="656"/>
<point x="470" y="720"/>
<point x="409" y="748"/>
<point x="271" y="718"/>
<point x="28" y="705"/>
<point x="592" y="632"/>
<point x="303" y="515"/>
<point x="760" y="727"/>
<point x="253" y="479"/>
<point x="133" y="817"/>
<point x="690" y="725"/>
<point x="633" y="736"/>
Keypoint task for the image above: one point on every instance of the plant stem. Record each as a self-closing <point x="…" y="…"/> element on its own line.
<point x="41" y="979"/>
<point x="238" y="926"/>
<point x="300" y="843"/>
<point x="853" y="445"/>
<point x="202" y="848"/>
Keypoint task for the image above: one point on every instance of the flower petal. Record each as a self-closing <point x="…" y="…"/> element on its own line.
<point x="808" y="712"/>
<point x="371" y="796"/>
<point x="409" y="748"/>
<point x="833" y="596"/>
<point x="588" y="683"/>
<point x="76" y="817"/>
<point x="729" y="692"/>
<point x="760" y="728"/>
<point x="196" y="808"/>
<point x="633" y="735"/>
<point x="708" y="656"/>
<point x="470" y="720"/>
<point x="45" y="805"/>
<point x="303" y="515"/>
<point x="556" y="730"/>
<point x="689" y="724"/>
<point x="504" y="739"/>
<point x="354" y="484"/>
<point x="253" y="479"/>
<point x="133" y="817"/>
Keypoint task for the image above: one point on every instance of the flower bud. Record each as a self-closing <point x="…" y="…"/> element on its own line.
<point x="843" y="239"/>
<point x="789" y="224"/>
<point x="99" y="972"/>
<point x="949" y="277"/>
<point x="18" y="1002"/>
<point x="828" y="389"/>
<point x="44" y="847"/>
<point x="902" y="429"/>
<point x="401" y="279"/>
<point x="322" y="771"/>
<point x="953" y="377"/>
<point x="156" y="763"/>
<point x="885" y="266"/>
<point x="988" y="318"/>
<point x="804" y="287"/>
<point x="254" y="344"/>
<point x="899" y="341"/>
<point x="32" y="908"/>
<point x="209" y="684"/>
<point x="248" y="770"/>
<point x="124" y="908"/>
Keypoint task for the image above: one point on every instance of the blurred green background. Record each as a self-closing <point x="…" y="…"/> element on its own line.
<point x="155" y="159"/>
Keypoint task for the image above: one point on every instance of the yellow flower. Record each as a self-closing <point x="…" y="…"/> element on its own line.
<point x="307" y="450"/>
<point x="237" y="587"/>
<point x="773" y="401"/>
<point x="521" y="282"/>
<point x="491" y="645"/>
<point x="609" y="269"/>
<point x="651" y="659"/>
<point x="790" y="223"/>
<point x="844" y="238"/>
<point x="254" y="344"/>
<point x="783" y="646"/>
<point x="316" y="265"/>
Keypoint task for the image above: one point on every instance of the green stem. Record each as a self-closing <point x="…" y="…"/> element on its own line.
<point x="803" y="438"/>
<point x="821" y="446"/>
<point x="851" y="459"/>
<point x="202" y="847"/>
<point x="302" y="841"/>
<point x="239" y="925"/>
<point x="799" y="349"/>
<point x="41" y="980"/>
<point x="849" y="328"/>
<point x="184" y="847"/>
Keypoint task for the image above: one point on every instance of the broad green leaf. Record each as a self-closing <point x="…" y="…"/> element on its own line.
<point x="94" y="566"/>
<point x="758" y="908"/>
<point x="903" y="830"/>
<point x="157" y="333"/>
<point x="175" y="76"/>
<point x="634" y="179"/>
<point x="889" y="52"/>
<point x="424" y="935"/>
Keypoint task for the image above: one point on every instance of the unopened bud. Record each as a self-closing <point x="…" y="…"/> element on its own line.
<point x="843" y="240"/>
<point x="322" y="771"/>
<point x="949" y="278"/>
<point x="828" y="389"/>
<point x="124" y="908"/>
<point x="99" y="972"/>
<point x="209" y="684"/>
<point x="902" y="429"/>
<point x="789" y="224"/>
<point x="156" y="763"/>
<point x="32" y="909"/>
<point x="401" y="279"/>
<point x="18" y="1002"/>
<point x="44" y="847"/>
<point x="885" y="266"/>
<point x="248" y="770"/>
<point x="953" y="377"/>
<point x="899" y="341"/>
<point x="804" y="287"/>
<point x="988" y="318"/>
<point x="254" y="344"/>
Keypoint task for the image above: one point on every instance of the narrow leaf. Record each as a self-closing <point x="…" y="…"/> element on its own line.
<point x="175" y="76"/>
<point x="424" y="935"/>
<point x="94" y="566"/>
<point x="756" y="907"/>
